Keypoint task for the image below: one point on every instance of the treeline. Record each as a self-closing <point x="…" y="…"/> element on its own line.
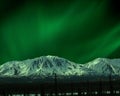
<point x="101" y="87"/>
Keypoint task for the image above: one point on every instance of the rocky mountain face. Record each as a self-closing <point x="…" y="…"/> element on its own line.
<point x="50" y="65"/>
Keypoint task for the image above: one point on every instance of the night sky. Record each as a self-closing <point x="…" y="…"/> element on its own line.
<point x="78" y="30"/>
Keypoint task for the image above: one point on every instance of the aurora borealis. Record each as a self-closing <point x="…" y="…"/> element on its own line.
<point x="78" y="30"/>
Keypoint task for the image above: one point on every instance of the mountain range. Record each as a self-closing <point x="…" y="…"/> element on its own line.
<point x="50" y="65"/>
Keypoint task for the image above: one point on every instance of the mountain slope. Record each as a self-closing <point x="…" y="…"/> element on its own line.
<point x="43" y="66"/>
<point x="50" y="65"/>
<point x="105" y="66"/>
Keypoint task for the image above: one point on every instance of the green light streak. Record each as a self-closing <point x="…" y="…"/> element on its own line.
<point x="79" y="31"/>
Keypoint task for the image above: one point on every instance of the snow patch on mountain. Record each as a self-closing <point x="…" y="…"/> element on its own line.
<point x="43" y="66"/>
<point x="105" y="66"/>
<point x="50" y="65"/>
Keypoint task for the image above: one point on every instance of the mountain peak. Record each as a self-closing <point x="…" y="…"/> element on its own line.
<point x="99" y="60"/>
<point x="48" y="65"/>
<point x="44" y="65"/>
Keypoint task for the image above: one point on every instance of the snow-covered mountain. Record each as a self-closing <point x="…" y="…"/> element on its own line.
<point x="50" y="65"/>
<point x="105" y="66"/>
<point x="43" y="66"/>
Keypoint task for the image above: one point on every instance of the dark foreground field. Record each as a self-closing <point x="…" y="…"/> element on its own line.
<point x="56" y="87"/>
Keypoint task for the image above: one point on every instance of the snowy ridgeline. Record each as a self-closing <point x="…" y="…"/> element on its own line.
<point x="45" y="66"/>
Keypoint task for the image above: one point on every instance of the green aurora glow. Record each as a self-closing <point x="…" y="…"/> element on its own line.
<point x="79" y="30"/>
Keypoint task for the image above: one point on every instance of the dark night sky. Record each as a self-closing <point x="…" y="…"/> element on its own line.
<point x="78" y="30"/>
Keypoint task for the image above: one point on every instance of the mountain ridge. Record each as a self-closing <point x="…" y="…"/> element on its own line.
<point x="49" y="65"/>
